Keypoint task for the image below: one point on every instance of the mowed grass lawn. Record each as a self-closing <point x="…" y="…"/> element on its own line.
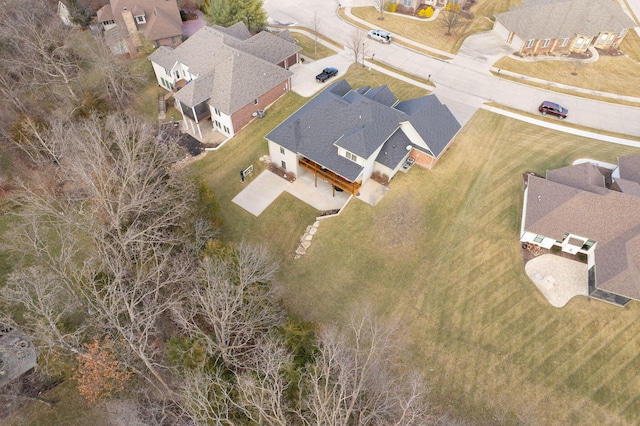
<point x="433" y="33"/>
<point x="283" y="222"/>
<point x="457" y="284"/>
<point x="440" y="253"/>
<point x="613" y="74"/>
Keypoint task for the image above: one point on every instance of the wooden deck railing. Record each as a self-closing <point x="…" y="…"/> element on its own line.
<point x="335" y="180"/>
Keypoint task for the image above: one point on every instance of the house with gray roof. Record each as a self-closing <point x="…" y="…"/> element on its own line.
<point x="223" y="76"/>
<point x="347" y="136"/>
<point x="128" y="24"/>
<point x="559" y="27"/>
<point x="590" y="210"/>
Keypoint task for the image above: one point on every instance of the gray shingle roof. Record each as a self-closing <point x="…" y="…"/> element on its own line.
<point x="162" y="16"/>
<point x="342" y="117"/>
<point x="228" y="77"/>
<point x="583" y="176"/>
<point x="234" y="80"/>
<point x="238" y="30"/>
<point x="269" y="47"/>
<point x="394" y="150"/>
<point x="565" y="19"/>
<point x="432" y="120"/>
<point x="611" y="218"/>
<point x="381" y="94"/>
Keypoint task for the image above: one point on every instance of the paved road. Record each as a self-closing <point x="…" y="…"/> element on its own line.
<point x="464" y="79"/>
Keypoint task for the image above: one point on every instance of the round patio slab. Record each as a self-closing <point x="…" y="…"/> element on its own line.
<point x="558" y="279"/>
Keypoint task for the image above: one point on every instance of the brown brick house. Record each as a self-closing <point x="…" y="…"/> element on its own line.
<point x="223" y="76"/>
<point x="559" y="27"/>
<point x="128" y="24"/>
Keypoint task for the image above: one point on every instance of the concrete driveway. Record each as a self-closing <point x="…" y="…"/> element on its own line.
<point x="303" y="81"/>
<point x="484" y="49"/>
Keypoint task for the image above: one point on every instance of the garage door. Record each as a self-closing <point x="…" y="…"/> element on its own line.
<point x="502" y="31"/>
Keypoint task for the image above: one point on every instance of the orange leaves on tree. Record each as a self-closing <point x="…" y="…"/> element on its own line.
<point x="99" y="373"/>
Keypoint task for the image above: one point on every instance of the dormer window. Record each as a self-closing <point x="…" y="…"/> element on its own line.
<point x="140" y="19"/>
<point x="352" y="157"/>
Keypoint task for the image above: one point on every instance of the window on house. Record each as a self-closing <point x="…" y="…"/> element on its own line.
<point x="588" y="244"/>
<point x="226" y="129"/>
<point x="255" y="101"/>
<point x="538" y="239"/>
<point x="217" y="123"/>
<point x="579" y="42"/>
<point x="284" y="165"/>
<point x="282" y="150"/>
<point x="529" y="44"/>
<point x="545" y="43"/>
<point x="216" y="111"/>
<point x="622" y="33"/>
<point x="407" y="2"/>
<point x="352" y="157"/>
<point x="174" y="40"/>
<point x="178" y="74"/>
<point x="140" y="19"/>
<point x="564" y="42"/>
<point x="603" y="38"/>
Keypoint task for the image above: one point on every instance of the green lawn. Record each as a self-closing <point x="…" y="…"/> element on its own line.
<point x="440" y="253"/>
<point x="458" y="285"/>
<point x="282" y="223"/>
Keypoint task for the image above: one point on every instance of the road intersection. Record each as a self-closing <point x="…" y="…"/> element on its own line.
<point x="466" y="79"/>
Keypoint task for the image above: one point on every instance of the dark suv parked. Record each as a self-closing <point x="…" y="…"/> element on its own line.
<point x="326" y="74"/>
<point x="554" y="109"/>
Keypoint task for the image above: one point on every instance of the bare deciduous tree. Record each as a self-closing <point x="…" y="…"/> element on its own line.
<point x="315" y="26"/>
<point x="116" y="240"/>
<point x="35" y="47"/>
<point x="380" y="7"/>
<point x="234" y="305"/>
<point x="353" y="382"/>
<point x="355" y="44"/>
<point x="451" y="20"/>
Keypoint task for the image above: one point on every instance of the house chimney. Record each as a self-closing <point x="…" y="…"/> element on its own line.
<point x="132" y="29"/>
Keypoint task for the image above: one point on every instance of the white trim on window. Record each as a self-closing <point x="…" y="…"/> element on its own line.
<point x="529" y="43"/>
<point x="545" y="43"/>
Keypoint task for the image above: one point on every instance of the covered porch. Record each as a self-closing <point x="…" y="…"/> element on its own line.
<point x="335" y="180"/>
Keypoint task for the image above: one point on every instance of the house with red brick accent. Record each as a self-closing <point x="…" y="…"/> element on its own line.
<point x="559" y="27"/>
<point x="346" y="136"/>
<point x="129" y="24"/>
<point x="586" y="209"/>
<point x="222" y="77"/>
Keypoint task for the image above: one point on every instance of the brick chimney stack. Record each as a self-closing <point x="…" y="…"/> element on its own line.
<point x="132" y="28"/>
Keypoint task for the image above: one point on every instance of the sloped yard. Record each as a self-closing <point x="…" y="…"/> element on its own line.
<point x="440" y="252"/>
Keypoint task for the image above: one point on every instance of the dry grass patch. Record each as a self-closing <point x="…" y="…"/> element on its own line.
<point x="433" y="33"/>
<point x="611" y="74"/>
<point x="488" y="341"/>
<point x="309" y="47"/>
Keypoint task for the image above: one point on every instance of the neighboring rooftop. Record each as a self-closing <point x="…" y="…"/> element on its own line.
<point x="161" y="17"/>
<point x="231" y="67"/>
<point x="560" y="19"/>
<point x="575" y="200"/>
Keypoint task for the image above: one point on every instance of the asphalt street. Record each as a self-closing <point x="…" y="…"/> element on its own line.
<point x="465" y="79"/>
